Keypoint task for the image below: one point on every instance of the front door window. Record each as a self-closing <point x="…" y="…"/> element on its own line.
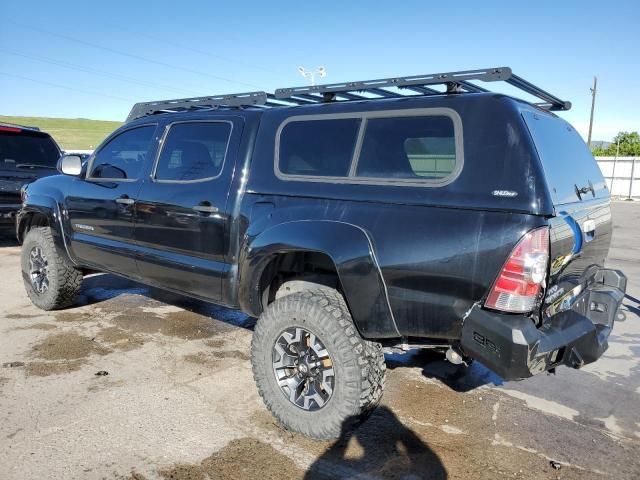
<point x="123" y="157"/>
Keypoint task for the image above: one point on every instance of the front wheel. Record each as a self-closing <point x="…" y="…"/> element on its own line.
<point x="51" y="281"/>
<point x="315" y="373"/>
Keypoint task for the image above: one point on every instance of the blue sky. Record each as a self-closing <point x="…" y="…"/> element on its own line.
<point x="95" y="59"/>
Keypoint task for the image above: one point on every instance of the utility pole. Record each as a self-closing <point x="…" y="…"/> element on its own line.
<point x="593" y="105"/>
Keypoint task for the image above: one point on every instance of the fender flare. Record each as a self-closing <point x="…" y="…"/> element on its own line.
<point x="48" y="207"/>
<point x="352" y="253"/>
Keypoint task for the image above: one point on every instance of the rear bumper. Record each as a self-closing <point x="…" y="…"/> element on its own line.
<point x="513" y="347"/>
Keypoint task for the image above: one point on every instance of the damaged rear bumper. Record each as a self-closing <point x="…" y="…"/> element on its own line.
<point x="513" y="347"/>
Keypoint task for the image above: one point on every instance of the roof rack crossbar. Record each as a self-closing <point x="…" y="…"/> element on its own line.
<point x="285" y="102"/>
<point x="246" y="99"/>
<point x="470" y="87"/>
<point x="290" y="102"/>
<point x="422" y="90"/>
<point x="385" y="93"/>
<point x="349" y="95"/>
<point x="303" y="101"/>
<point x="307" y="97"/>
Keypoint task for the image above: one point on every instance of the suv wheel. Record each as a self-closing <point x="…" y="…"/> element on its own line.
<point x="50" y="279"/>
<point x="315" y="373"/>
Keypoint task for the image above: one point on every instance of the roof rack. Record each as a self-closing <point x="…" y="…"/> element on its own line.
<point x="245" y="99"/>
<point x="455" y="82"/>
<point x="397" y="87"/>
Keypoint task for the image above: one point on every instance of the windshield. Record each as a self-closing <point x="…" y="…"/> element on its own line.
<point x="30" y="148"/>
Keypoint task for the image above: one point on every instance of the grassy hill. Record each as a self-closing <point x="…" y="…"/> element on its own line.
<point x="70" y="133"/>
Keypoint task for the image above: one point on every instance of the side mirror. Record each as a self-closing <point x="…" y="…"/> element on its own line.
<point x="70" y="165"/>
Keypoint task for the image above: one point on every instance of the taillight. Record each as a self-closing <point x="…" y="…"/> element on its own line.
<point x="523" y="276"/>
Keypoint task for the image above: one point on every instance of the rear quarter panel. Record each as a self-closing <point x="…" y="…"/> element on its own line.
<point x="435" y="262"/>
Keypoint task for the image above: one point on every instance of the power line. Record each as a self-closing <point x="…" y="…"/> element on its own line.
<point x="199" y="51"/>
<point x="93" y="71"/>
<point x="131" y="55"/>
<point x="51" y="84"/>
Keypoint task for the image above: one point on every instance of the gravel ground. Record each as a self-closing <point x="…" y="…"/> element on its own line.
<point x="136" y="383"/>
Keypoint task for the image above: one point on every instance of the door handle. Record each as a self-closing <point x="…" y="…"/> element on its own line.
<point x="205" y="207"/>
<point x="125" y="200"/>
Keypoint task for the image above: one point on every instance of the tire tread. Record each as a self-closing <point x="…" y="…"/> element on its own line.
<point x="68" y="279"/>
<point x="326" y="309"/>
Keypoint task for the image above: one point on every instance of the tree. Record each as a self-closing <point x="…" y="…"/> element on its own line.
<point x="628" y="142"/>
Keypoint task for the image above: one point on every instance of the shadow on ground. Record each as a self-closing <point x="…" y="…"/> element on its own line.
<point x="460" y="378"/>
<point x="383" y="446"/>
<point x="630" y="306"/>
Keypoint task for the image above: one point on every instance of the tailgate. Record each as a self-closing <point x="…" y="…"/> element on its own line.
<point x="580" y="232"/>
<point x="580" y="236"/>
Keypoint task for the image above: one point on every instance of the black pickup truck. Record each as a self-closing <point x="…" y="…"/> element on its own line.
<point x="349" y="218"/>
<point x="26" y="154"/>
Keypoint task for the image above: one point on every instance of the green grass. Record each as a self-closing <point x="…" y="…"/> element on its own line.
<point x="70" y="133"/>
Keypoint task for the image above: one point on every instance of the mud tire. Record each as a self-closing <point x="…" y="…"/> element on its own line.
<point x="358" y="363"/>
<point x="64" y="279"/>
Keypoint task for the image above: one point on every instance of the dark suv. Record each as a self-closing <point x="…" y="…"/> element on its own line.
<point x="350" y="219"/>
<point x="26" y="154"/>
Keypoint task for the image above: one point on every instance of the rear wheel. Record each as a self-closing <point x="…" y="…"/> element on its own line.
<point x="51" y="281"/>
<point x="313" y="370"/>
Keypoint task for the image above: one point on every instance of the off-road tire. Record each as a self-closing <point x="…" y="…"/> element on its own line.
<point x="358" y="363"/>
<point x="64" y="279"/>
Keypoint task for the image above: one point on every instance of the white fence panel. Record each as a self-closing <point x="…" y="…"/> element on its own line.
<point x="622" y="175"/>
<point x="635" y="189"/>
